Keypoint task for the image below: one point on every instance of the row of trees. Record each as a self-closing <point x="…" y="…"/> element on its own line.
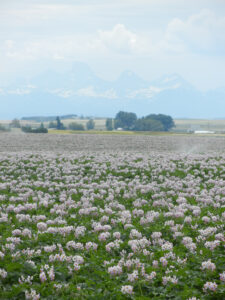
<point x="72" y="126"/>
<point x="3" y="128"/>
<point x="123" y="120"/>
<point x="29" y="129"/>
<point x="57" y="124"/>
<point x="129" y="121"/>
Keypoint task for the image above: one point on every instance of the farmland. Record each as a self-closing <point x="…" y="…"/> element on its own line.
<point x="112" y="216"/>
<point x="181" y="125"/>
<point x="184" y="125"/>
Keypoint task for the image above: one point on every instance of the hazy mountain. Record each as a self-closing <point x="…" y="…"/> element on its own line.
<point x="80" y="91"/>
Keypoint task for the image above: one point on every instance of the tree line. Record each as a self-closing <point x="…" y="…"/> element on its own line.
<point x="129" y="121"/>
<point x="48" y="118"/>
<point x="29" y="129"/>
<point x="72" y="126"/>
<point x="123" y="121"/>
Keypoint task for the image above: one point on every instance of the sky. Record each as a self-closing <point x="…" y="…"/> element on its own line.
<point x="149" y="37"/>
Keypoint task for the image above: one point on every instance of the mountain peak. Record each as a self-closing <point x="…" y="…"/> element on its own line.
<point x="173" y="80"/>
<point x="128" y="74"/>
<point x="81" y="68"/>
<point x="128" y="81"/>
<point x="84" y="92"/>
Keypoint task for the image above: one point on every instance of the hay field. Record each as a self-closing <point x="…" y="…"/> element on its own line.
<point x="184" y="125"/>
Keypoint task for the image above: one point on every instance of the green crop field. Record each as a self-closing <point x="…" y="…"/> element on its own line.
<point x="112" y="217"/>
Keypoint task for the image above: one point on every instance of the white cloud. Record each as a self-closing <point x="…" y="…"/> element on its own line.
<point x="9" y="44"/>
<point x="145" y="92"/>
<point x="118" y="39"/>
<point x="20" y="91"/>
<point x="90" y="92"/>
<point x="202" y="33"/>
<point x="199" y="33"/>
<point x="110" y="36"/>
<point x="24" y="90"/>
<point x="60" y="48"/>
<point x="151" y="91"/>
<point x="62" y="93"/>
<point x="85" y="92"/>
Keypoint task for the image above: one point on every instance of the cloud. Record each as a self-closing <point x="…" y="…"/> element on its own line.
<point x="200" y="33"/>
<point x="141" y="35"/>
<point x="60" y="48"/>
<point x="85" y="92"/>
<point x="20" y="91"/>
<point x="118" y="39"/>
<point x="151" y="91"/>
<point x="9" y="44"/>
<point x="90" y="92"/>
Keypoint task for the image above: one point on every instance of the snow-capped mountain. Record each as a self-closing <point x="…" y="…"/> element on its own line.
<point x="80" y="91"/>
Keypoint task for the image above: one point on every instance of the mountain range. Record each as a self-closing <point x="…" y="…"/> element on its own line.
<point x="79" y="91"/>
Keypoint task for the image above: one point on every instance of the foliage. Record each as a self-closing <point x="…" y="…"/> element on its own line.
<point x="112" y="226"/>
<point x="40" y="129"/>
<point x="145" y="124"/>
<point x="166" y="120"/>
<point x="15" y="123"/>
<point x="3" y="128"/>
<point x="59" y="124"/>
<point x="109" y="124"/>
<point x="90" y="124"/>
<point x="125" y="120"/>
<point x="152" y="122"/>
<point x="48" y="118"/>
<point x="52" y="124"/>
<point x="76" y="126"/>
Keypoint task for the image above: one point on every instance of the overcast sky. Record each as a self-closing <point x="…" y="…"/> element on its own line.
<point x="149" y="37"/>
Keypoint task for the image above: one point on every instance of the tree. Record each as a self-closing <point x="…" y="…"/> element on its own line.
<point x="125" y="120"/>
<point x="52" y="124"/>
<point x="40" y="129"/>
<point x="166" y="120"/>
<point x="109" y="124"/>
<point x="90" y="124"/>
<point x="26" y="128"/>
<point x="145" y="124"/>
<point x="15" y="123"/>
<point x="3" y="128"/>
<point x="59" y="124"/>
<point x="75" y="126"/>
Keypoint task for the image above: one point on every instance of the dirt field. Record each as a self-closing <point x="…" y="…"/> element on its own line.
<point x="13" y="142"/>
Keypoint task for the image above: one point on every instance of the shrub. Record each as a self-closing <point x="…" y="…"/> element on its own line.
<point x="3" y="128"/>
<point x="75" y="126"/>
<point x="145" y="124"/>
<point x="52" y="125"/>
<point x="59" y="124"/>
<point x="40" y="129"/>
<point x="90" y="124"/>
<point x="15" y="123"/>
<point x="109" y="124"/>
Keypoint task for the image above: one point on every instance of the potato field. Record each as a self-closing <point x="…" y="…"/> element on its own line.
<point x="112" y="217"/>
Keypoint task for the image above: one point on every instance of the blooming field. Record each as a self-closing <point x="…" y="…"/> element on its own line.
<point x="112" y="225"/>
